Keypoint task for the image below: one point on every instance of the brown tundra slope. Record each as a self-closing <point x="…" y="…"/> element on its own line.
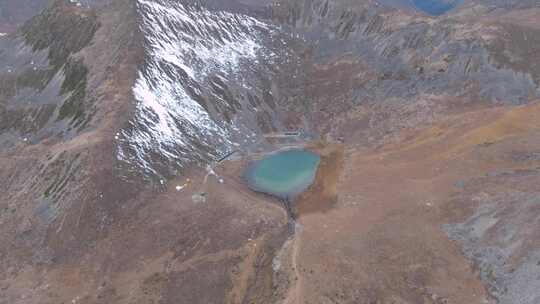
<point x="114" y="112"/>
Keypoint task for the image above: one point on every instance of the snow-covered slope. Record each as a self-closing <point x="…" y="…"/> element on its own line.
<point x="199" y="66"/>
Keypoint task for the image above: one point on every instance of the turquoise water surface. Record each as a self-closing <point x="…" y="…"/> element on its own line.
<point x="283" y="174"/>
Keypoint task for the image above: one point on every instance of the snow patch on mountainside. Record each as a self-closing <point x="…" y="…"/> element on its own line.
<point x="185" y="45"/>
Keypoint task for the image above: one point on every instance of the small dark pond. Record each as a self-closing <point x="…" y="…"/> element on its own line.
<point x="435" y="7"/>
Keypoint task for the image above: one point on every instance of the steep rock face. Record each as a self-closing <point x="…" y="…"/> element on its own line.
<point x="413" y="55"/>
<point x="13" y="14"/>
<point x="502" y="4"/>
<point x="517" y="48"/>
<point x="44" y="103"/>
<point x="43" y="85"/>
<point x="504" y="249"/>
<point x="207" y="86"/>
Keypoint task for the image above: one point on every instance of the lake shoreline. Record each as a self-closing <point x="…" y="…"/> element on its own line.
<point x="261" y="175"/>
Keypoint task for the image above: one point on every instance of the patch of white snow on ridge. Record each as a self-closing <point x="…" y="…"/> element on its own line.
<point x="184" y="46"/>
<point x="200" y="41"/>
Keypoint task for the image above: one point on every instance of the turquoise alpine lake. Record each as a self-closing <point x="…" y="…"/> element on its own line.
<point x="284" y="174"/>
